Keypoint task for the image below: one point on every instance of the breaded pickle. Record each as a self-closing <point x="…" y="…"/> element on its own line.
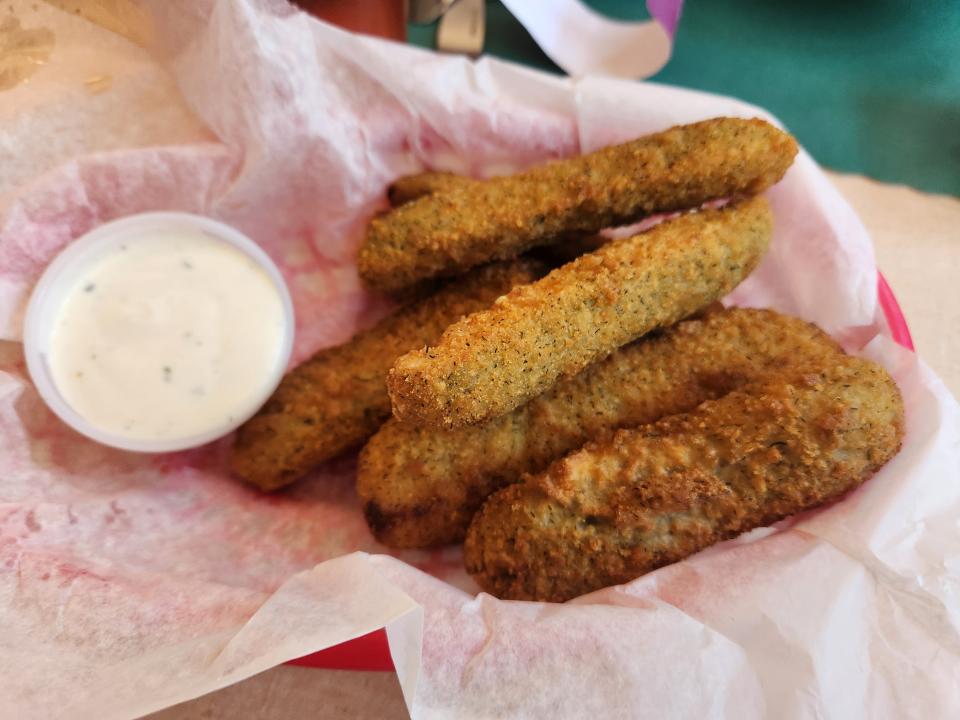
<point x="338" y="398"/>
<point x="651" y="496"/>
<point x="494" y="361"/>
<point x="448" y="232"/>
<point x="421" y="486"/>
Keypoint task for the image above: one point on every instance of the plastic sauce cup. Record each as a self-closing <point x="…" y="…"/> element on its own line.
<point x="57" y="291"/>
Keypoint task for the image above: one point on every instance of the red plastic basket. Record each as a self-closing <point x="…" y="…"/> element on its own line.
<point x="372" y="652"/>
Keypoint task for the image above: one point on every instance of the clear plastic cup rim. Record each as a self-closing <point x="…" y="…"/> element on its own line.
<point x="61" y="274"/>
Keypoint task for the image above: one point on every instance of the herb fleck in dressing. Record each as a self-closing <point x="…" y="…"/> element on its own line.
<point x="167" y="337"/>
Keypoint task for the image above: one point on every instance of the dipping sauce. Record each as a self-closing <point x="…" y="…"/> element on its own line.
<point x="168" y="335"/>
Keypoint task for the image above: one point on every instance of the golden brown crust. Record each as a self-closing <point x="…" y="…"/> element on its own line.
<point x="648" y="497"/>
<point x="683" y="167"/>
<point x="557" y="253"/>
<point x="493" y="361"/>
<point x="338" y="398"/>
<point x="421" y="486"/>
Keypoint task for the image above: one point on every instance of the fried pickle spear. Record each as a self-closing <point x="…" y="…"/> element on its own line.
<point x="560" y="252"/>
<point x="338" y="398"/>
<point x="421" y="486"/>
<point x="493" y="361"/>
<point x="652" y="496"/>
<point x="683" y="167"/>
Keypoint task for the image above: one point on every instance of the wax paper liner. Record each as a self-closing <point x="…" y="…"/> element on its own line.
<point x="131" y="582"/>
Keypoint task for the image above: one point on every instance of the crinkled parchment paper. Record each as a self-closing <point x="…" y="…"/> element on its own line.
<point x="131" y="582"/>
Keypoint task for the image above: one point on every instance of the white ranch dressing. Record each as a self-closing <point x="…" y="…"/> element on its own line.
<point x="167" y="336"/>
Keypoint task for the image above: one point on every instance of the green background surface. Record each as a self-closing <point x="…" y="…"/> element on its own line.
<point x="868" y="86"/>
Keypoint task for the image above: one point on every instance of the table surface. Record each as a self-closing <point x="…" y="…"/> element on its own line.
<point x="869" y="87"/>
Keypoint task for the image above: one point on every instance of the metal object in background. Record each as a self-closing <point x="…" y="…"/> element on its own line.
<point x="462" y="27"/>
<point x="424" y="12"/>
